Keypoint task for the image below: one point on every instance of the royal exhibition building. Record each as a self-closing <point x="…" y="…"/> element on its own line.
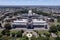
<point x="30" y="20"/>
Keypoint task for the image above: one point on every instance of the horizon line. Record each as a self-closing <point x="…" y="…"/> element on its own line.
<point x="29" y="5"/>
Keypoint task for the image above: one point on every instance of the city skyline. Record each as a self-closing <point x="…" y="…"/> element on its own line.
<point x="30" y="2"/>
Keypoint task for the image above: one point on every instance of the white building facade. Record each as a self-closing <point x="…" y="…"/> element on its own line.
<point x="30" y="22"/>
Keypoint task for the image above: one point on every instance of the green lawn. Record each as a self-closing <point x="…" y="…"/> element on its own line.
<point x="42" y="32"/>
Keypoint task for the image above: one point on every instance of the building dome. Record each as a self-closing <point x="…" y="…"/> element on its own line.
<point x="30" y="13"/>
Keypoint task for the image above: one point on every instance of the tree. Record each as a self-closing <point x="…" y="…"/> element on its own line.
<point x="1" y="35"/>
<point x="6" y="37"/>
<point x="51" y="20"/>
<point x="58" y="20"/>
<point x="33" y="38"/>
<point x="51" y="38"/>
<point x="57" y="38"/>
<point x="7" y="26"/>
<point x="19" y="34"/>
<point x="13" y="33"/>
<point x="58" y="27"/>
<point x="24" y="38"/>
<point x="0" y="25"/>
<point x="43" y="38"/>
<point x="47" y="34"/>
<point x="6" y="32"/>
<point x="53" y="29"/>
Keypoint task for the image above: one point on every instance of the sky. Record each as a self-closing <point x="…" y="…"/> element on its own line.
<point x="29" y="2"/>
